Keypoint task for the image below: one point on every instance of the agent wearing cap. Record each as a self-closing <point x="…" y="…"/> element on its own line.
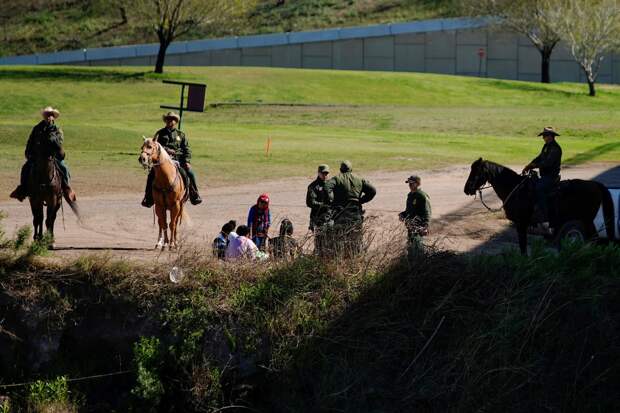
<point x="318" y="202"/>
<point x="46" y="138"/>
<point x="548" y="163"/>
<point x="347" y="193"/>
<point x="417" y="213"/>
<point x="177" y="145"/>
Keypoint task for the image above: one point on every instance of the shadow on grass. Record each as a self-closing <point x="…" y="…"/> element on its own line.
<point x="72" y="74"/>
<point x="592" y="153"/>
<point x="532" y="87"/>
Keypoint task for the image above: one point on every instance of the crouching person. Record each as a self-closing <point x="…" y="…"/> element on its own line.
<point x="416" y="216"/>
<point x="284" y="246"/>
<point x="241" y="247"/>
<point x="220" y="243"/>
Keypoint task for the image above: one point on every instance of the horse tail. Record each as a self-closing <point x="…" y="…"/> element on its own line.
<point x="608" y="211"/>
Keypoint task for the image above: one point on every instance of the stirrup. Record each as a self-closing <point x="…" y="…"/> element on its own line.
<point x="147" y="203"/>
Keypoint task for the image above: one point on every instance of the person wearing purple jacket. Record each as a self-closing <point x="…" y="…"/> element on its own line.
<point x="259" y="221"/>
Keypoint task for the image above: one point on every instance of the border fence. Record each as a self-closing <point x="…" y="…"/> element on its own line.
<point x="460" y="46"/>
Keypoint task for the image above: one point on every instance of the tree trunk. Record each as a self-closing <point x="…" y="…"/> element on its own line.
<point x="545" y="74"/>
<point x="591" y="86"/>
<point x="161" y="56"/>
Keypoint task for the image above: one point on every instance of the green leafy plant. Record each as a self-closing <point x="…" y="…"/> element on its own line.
<point x="50" y="396"/>
<point x="147" y="357"/>
<point x="21" y="237"/>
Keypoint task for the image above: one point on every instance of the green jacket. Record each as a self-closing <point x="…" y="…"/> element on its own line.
<point x="176" y="141"/>
<point x="549" y="160"/>
<point x="318" y="202"/>
<point x="45" y="139"/>
<point x="417" y="210"/>
<point x="347" y="193"/>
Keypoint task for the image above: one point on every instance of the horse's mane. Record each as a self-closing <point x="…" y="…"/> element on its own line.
<point x="495" y="169"/>
<point x="163" y="154"/>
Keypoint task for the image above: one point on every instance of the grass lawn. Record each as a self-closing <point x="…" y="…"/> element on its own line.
<point x="378" y="120"/>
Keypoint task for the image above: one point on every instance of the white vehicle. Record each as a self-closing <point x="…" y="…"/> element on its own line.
<point x="575" y="230"/>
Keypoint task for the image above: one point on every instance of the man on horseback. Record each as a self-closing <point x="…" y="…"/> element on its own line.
<point x="548" y="163"/>
<point x="45" y="139"/>
<point x="176" y="144"/>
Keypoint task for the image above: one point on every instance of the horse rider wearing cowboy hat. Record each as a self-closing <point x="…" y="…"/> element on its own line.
<point x="176" y="144"/>
<point x="45" y="136"/>
<point x="548" y="163"/>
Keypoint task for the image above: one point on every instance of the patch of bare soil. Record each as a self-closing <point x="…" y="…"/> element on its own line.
<point x="118" y="224"/>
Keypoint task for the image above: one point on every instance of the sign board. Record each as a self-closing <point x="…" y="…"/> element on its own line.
<point x="195" y="98"/>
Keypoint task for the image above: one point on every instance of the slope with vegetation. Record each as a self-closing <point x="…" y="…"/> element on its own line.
<point x="448" y="333"/>
<point x="35" y="26"/>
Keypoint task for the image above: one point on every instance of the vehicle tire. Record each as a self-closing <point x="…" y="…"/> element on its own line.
<point x="573" y="231"/>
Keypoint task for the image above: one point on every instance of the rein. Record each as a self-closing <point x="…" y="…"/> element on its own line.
<point x="505" y="202"/>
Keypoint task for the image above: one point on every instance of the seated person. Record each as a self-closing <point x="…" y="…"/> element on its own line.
<point x="221" y="241"/>
<point x="241" y="247"/>
<point x="284" y="246"/>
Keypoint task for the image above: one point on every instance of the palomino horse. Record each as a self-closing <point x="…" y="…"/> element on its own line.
<point x="169" y="192"/>
<point x="576" y="199"/>
<point x="45" y="189"/>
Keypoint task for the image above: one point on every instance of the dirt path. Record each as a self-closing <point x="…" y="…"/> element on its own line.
<point x="118" y="223"/>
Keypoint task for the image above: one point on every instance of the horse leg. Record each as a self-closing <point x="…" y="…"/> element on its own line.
<point x="52" y="211"/>
<point x="160" y="211"/>
<point x="522" y="233"/>
<point x="37" y="219"/>
<point x="174" y="221"/>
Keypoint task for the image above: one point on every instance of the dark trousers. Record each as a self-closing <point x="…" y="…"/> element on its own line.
<point x="543" y="186"/>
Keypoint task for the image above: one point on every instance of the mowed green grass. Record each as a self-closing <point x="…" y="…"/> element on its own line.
<point x="378" y="120"/>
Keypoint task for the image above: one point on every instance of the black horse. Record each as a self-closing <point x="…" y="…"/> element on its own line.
<point x="574" y="200"/>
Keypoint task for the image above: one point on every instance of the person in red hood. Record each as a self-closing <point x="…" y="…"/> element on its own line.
<point x="259" y="221"/>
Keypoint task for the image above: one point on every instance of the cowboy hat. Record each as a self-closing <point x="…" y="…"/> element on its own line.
<point x="171" y="115"/>
<point x="49" y="109"/>
<point x="548" y="130"/>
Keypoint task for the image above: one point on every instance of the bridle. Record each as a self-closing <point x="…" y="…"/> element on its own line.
<point x="152" y="164"/>
<point x="505" y="202"/>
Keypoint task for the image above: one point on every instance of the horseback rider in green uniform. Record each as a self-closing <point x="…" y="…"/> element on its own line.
<point x="347" y="194"/>
<point x="46" y="137"/>
<point x="548" y="163"/>
<point x="417" y="213"/>
<point x="176" y="144"/>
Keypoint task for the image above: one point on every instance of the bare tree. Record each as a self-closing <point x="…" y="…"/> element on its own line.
<point x="527" y="17"/>
<point x="592" y="29"/>
<point x="174" y="18"/>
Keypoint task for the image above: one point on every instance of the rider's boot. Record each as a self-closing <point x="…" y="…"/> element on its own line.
<point x="148" y="202"/>
<point x="68" y="193"/>
<point x="19" y="193"/>
<point x="194" y="196"/>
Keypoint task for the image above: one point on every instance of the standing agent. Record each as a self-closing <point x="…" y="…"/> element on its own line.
<point x="177" y="145"/>
<point x="417" y="214"/>
<point x="320" y="214"/>
<point x="347" y="194"/>
<point x="259" y="221"/>
<point x="548" y="163"/>
<point x="46" y="137"/>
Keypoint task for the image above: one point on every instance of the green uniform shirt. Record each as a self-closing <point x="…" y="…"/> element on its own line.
<point x="318" y="202"/>
<point x="347" y="193"/>
<point x="549" y="160"/>
<point x="418" y="208"/>
<point x="175" y="140"/>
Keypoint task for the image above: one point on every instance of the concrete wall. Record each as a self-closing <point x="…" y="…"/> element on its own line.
<point x="452" y="46"/>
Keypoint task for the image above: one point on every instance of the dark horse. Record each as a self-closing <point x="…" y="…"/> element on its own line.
<point x="575" y="199"/>
<point x="45" y="189"/>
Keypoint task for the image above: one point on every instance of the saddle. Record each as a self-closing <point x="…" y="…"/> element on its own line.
<point x="551" y="197"/>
